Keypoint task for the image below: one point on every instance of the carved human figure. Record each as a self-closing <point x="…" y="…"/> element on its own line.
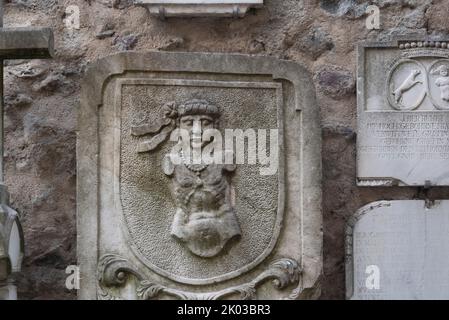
<point x="205" y="219"/>
<point x="443" y="82"/>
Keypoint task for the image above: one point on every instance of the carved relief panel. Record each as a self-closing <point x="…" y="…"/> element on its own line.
<point x="153" y="224"/>
<point x="403" y="113"/>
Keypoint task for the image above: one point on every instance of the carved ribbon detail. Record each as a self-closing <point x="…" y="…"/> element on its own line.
<point x="114" y="271"/>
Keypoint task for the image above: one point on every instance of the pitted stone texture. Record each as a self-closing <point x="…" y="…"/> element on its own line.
<point x="335" y="82"/>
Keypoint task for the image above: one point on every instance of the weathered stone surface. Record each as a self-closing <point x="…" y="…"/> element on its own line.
<point x="403" y="113"/>
<point x="347" y="8"/>
<point x="172" y="44"/>
<point x="47" y="202"/>
<point x="434" y="17"/>
<point x="15" y="43"/>
<point x="18" y="100"/>
<point x="229" y="248"/>
<point x="105" y="30"/>
<point x="315" y="43"/>
<point x="105" y="34"/>
<point x="27" y="71"/>
<point x="53" y="81"/>
<point x="126" y="42"/>
<point x="334" y="81"/>
<point x="117" y="4"/>
<point x="397" y="250"/>
<point x="26" y="43"/>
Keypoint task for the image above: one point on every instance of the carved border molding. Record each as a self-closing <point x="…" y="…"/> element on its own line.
<point x="114" y="271"/>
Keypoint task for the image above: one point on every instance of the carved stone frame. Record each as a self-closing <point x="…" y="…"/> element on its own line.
<point x="302" y="100"/>
<point x="281" y="174"/>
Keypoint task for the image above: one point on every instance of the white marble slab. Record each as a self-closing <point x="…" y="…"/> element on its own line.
<point x="398" y="250"/>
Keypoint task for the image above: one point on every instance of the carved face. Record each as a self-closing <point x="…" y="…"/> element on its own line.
<point x="443" y="72"/>
<point x="196" y="125"/>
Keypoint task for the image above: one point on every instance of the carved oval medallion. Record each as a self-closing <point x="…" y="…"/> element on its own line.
<point x="406" y="85"/>
<point x="438" y="82"/>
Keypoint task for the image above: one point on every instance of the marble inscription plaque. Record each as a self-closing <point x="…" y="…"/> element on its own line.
<point x="403" y="114"/>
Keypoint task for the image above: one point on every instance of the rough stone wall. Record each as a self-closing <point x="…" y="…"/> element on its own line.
<point x="42" y="97"/>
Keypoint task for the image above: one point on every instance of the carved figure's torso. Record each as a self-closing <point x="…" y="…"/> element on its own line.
<point x="205" y="219"/>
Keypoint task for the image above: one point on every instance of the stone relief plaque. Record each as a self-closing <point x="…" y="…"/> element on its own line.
<point x="154" y="225"/>
<point x="403" y="114"/>
<point x="199" y="8"/>
<point x="398" y="250"/>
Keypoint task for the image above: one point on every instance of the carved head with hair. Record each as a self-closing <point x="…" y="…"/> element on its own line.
<point x="194" y="115"/>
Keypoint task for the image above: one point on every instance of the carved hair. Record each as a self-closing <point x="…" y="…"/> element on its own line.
<point x="197" y="107"/>
<point x="172" y="113"/>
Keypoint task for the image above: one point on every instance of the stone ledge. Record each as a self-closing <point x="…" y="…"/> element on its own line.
<point x="200" y="8"/>
<point x="26" y="43"/>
